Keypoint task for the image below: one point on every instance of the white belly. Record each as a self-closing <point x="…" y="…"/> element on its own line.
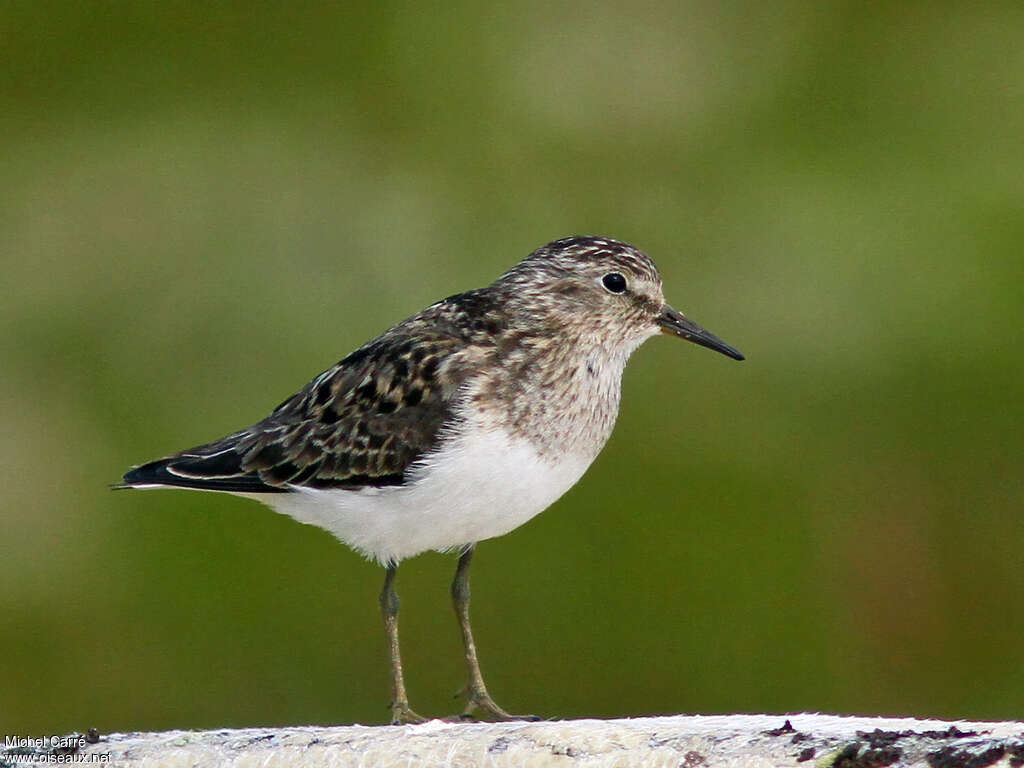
<point x="477" y="486"/>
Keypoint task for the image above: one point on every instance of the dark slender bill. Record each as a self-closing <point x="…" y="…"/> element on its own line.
<point x="676" y="324"/>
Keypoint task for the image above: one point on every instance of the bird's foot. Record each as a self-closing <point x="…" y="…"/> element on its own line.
<point x="481" y="701"/>
<point x="402" y="714"/>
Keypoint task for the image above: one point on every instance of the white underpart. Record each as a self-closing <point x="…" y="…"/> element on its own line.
<point x="479" y="484"/>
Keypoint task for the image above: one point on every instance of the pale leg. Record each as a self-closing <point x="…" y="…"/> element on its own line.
<point x="400" y="711"/>
<point x="476" y="692"/>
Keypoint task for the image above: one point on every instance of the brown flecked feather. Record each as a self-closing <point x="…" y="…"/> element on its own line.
<point x="362" y="422"/>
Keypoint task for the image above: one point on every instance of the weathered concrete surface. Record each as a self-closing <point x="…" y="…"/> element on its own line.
<point x="679" y="741"/>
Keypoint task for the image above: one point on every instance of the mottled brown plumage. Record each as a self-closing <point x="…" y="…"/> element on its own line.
<point x="360" y="423"/>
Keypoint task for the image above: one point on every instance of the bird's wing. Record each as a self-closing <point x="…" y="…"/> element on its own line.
<point x="362" y="422"/>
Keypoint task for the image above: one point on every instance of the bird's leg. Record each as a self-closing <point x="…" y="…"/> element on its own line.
<point x="476" y="691"/>
<point x="400" y="711"/>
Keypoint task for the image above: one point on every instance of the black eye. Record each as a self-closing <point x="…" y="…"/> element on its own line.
<point x="614" y="282"/>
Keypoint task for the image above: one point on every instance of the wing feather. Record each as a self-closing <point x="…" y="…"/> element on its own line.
<point x="363" y="422"/>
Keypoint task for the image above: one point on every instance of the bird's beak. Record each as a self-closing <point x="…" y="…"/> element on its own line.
<point x="674" y="323"/>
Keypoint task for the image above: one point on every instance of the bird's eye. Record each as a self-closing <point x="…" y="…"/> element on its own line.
<point x="614" y="282"/>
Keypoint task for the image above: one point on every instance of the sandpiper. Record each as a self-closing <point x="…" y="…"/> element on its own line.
<point x="454" y="426"/>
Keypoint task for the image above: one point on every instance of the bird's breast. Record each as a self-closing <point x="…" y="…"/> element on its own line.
<point x="562" y="404"/>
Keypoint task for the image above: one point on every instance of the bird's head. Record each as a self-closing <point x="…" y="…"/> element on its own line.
<point x="596" y="286"/>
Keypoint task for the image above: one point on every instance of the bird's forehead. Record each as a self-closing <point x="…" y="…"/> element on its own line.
<point x="573" y="253"/>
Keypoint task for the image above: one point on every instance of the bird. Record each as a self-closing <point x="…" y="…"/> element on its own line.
<point x="457" y="425"/>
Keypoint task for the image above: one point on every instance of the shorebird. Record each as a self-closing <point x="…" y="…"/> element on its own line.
<point x="457" y="425"/>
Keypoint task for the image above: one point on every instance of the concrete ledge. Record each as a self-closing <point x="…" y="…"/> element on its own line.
<point x="679" y="741"/>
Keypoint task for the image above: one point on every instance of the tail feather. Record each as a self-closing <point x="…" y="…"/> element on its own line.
<point x="217" y="472"/>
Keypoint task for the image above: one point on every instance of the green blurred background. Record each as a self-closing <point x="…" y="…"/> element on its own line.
<point x="202" y="207"/>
